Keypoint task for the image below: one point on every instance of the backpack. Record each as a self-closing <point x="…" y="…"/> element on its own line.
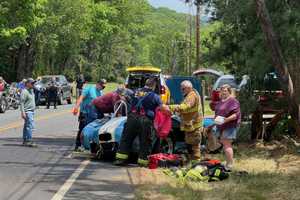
<point x="137" y="106"/>
<point x="215" y="170"/>
<point x="164" y="160"/>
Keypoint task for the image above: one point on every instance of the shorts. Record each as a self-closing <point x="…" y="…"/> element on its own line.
<point x="228" y="133"/>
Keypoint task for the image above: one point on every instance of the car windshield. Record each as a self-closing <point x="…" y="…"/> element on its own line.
<point x="230" y="82"/>
<point x="45" y="80"/>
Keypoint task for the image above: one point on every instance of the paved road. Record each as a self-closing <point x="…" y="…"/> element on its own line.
<point x="52" y="171"/>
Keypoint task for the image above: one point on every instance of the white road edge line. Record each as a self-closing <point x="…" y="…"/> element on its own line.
<point x="68" y="184"/>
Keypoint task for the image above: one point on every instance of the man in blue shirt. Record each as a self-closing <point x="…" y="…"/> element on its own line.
<point x="86" y="115"/>
<point x="140" y="124"/>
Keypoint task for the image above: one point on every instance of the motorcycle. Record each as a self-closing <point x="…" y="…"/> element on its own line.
<point x="3" y="101"/>
<point x="13" y="97"/>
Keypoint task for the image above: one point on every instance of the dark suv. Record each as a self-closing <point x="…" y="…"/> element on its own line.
<point x="64" y="88"/>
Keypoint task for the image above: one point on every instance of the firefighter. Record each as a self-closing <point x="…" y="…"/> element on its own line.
<point x="52" y="95"/>
<point x="140" y="124"/>
<point x="190" y="113"/>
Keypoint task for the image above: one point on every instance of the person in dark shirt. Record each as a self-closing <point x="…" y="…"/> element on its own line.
<point x="79" y="85"/>
<point x="106" y="103"/>
<point x="52" y="93"/>
<point x="140" y="124"/>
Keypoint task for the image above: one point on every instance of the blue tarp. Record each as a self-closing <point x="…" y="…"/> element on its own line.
<point x="174" y="82"/>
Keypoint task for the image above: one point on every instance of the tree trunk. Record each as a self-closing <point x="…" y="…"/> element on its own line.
<point x="278" y="60"/>
<point x="25" y="60"/>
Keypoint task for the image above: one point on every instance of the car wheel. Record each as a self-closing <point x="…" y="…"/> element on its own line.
<point x="167" y="145"/>
<point x="69" y="100"/>
<point x="3" y="105"/>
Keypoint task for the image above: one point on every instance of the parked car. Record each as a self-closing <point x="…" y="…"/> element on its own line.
<point x="138" y="75"/>
<point x="64" y="88"/>
<point x="102" y="137"/>
<point x="226" y="79"/>
<point x="270" y="95"/>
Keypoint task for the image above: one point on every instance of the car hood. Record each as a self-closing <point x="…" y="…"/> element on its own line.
<point x="115" y="127"/>
<point x="205" y="71"/>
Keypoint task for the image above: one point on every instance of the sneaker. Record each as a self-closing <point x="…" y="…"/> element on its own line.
<point x="228" y="168"/>
<point x="79" y="149"/>
<point x="30" y="144"/>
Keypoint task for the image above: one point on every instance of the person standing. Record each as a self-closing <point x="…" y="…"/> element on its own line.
<point x="52" y="95"/>
<point x="89" y="93"/>
<point x="227" y="118"/>
<point x="140" y="124"/>
<point x="79" y="85"/>
<point x="27" y="111"/>
<point x="190" y="112"/>
<point x="37" y="93"/>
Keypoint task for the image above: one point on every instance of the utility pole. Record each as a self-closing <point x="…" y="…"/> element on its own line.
<point x="198" y="9"/>
<point x="197" y="3"/>
<point x="190" y="45"/>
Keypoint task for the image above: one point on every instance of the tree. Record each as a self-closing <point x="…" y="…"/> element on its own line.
<point x="278" y="61"/>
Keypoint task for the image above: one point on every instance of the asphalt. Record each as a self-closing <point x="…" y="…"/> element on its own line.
<point x="52" y="170"/>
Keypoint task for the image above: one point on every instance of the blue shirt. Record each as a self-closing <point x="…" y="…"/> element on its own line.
<point x="21" y="85"/>
<point x="150" y="102"/>
<point x="89" y="93"/>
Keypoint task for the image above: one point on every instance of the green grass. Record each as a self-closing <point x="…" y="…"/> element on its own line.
<point x="111" y="87"/>
<point x="270" y="177"/>
<point x="207" y="110"/>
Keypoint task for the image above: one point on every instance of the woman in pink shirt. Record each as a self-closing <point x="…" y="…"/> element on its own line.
<point x="228" y="118"/>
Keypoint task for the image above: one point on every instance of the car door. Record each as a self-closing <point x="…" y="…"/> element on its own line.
<point x="66" y="87"/>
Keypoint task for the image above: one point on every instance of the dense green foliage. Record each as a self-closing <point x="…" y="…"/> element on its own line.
<point x="242" y="47"/>
<point x="100" y="38"/>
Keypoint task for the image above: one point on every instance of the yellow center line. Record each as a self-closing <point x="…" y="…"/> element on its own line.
<point x="21" y="122"/>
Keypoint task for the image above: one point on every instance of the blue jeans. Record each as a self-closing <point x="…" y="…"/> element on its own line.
<point x="28" y="126"/>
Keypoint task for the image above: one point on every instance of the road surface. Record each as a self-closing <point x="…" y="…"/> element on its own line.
<point x="52" y="171"/>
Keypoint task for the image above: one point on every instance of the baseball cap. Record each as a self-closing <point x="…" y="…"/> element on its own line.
<point x="102" y="81"/>
<point x="30" y="80"/>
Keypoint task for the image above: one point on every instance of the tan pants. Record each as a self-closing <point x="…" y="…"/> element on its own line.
<point x="193" y="139"/>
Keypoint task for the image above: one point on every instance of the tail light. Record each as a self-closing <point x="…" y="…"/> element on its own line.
<point x="279" y="93"/>
<point x="263" y="98"/>
<point x="162" y="90"/>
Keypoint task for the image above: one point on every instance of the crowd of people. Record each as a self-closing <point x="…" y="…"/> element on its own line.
<point x="142" y="105"/>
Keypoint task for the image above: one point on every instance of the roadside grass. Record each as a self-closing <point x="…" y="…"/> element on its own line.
<point x="274" y="173"/>
<point x="110" y="87"/>
<point x="207" y="110"/>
